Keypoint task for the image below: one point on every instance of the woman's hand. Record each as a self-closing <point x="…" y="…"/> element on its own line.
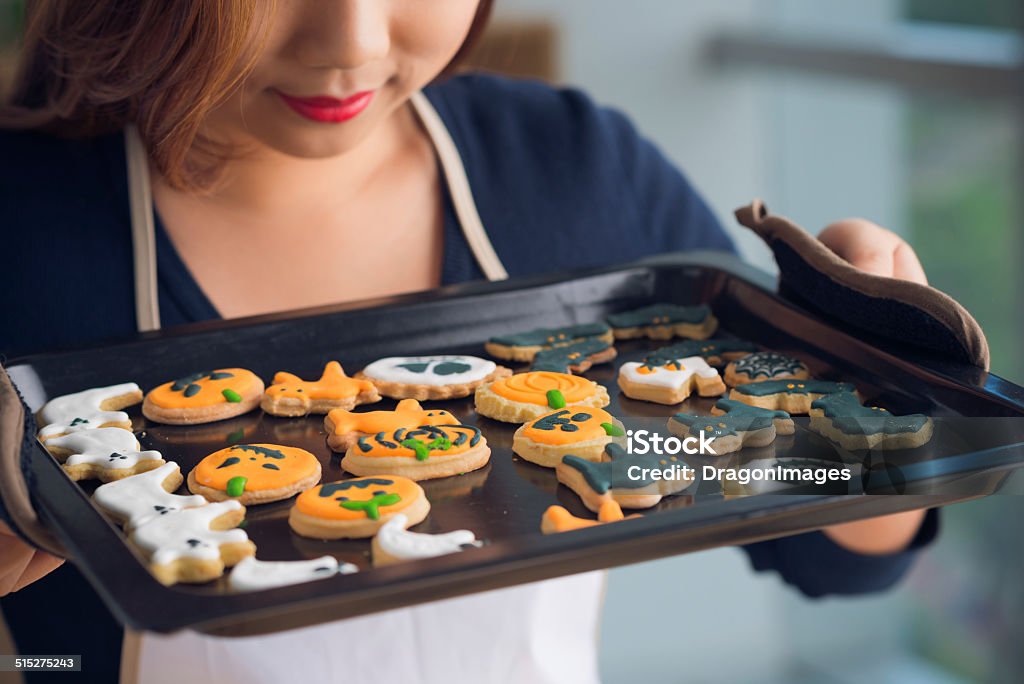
<point x="20" y="564"/>
<point x="876" y="250"/>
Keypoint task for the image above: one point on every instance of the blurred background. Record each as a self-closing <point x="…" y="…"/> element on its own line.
<point x="905" y="112"/>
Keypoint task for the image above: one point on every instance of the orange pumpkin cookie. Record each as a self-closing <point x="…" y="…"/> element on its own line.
<point x="423" y="453"/>
<point x="526" y="396"/>
<point x="582" y="432"/>
<point x="344" y="428"/>
<point x="204" y="397"/>
<point x="292" y="396"/>
<point x="254" y="473"/>
<point x="357" y="508"/>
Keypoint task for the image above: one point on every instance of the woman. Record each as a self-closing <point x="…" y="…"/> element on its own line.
<point x="291" y="134"/>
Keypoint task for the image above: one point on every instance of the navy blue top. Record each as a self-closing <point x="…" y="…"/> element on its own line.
<point x="559" y="183"/>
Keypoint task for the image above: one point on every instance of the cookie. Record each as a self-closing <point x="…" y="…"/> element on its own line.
<point x="357" y="508"/>
<point x="254" y="473"/>
<point x="431" y="377"/>
<point x="255" y="575"/>
<point x="792" y="396"/>
<point x="88" y="410"/>
<point x="737" y="425"/>
<point x="291" y="396"/>
<point x="395" y="544"/>
<point x="558" y="519"/>
<point x="763" y="366"/>
<point x="523" y="347"/>
<point x="135" y="500"/>
<point x="622" y="477"/>
<point x="716" y="352"/>
<point x="671" y="382"/>
<point x="577" y="357"/>
<point x="526" y="396"/>
<point x="195" y="544"/>
<point x="582" y="432"/>
<point x="663" y="322"/>
<point x="204" y="397"/>
<point x="423" y="453"/>
<point x="344" y="428"/>
<point x="842" y="419"/>
<point x="105" y="454"/>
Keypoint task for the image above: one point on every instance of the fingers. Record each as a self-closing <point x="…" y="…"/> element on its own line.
<point x="873" y="249"/>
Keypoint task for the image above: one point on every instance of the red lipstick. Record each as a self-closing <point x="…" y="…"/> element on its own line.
<point x="324" y="109"/>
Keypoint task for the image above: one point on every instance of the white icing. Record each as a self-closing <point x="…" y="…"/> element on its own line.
<point x="397" y="541"/>
<point x="140" y="498"/>
<point x="253" y="575"/>
<point x="83" y="409"/>
<point x="663" y="377"/>
<point x="110" y="448"/>
<point x="187" y="534"/>
<point x="390" y="370"/>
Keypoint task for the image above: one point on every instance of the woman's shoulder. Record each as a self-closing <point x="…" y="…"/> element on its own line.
<point x="563" y="182"/>
<point x="66" y="236"/>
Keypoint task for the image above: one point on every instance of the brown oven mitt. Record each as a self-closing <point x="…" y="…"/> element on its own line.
<point x="17" y="447"/>
<point x="908" y="314"/>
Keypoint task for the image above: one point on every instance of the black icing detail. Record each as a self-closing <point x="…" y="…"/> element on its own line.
<point x="193" y="543"/>
<point x="229" y="461"/>
<point x="332" y="488"/>
<point x="271" y="466"/>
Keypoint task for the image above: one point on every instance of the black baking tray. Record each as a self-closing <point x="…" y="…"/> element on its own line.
<point x="978" y="445"/>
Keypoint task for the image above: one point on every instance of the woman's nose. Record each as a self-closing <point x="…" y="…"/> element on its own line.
<point x="343" y="34"/>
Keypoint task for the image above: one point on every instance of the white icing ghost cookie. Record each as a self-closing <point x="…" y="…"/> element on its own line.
<point x="253" y="575"/>
<point x="135" y="500"/>
<point x="431" y="377"/>
<point x="88" y="410"/>
<point x="671" y="382"/>
<point x="394" y="544"/>
<point x="195" y="544"/>
<point x="106" y="454"/>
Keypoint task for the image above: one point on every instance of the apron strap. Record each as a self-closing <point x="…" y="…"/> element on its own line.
<point x="458" y="186"/>
<point x="140" y="202"/>
<point x="140" y="198"/>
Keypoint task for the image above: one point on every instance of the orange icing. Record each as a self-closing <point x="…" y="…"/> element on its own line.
<point x="296" y="465"/>
<point x="210" y="393"/>
<point x="392" y="446"/>
<point x="329" y="507"/>
<point x="333" y="384"/>
<point x="561" y="520"/>
<point x="587" y="429"/>
<point x="532" y="387"/>
<point x="408" y="414"/>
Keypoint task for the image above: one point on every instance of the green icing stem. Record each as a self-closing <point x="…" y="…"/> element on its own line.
<point x="421" y="450"/>
<point x="236" y="486"/>
<point x="232" y="396"/>
<point x="556" y="399"/>
<point x="612" y="430"/>
<point x="371" y="506"/>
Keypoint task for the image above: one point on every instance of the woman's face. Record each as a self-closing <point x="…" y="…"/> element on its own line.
<point x="333" y="70"/>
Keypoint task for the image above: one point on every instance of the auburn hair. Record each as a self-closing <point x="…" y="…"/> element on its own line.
<point x="91" y="68"/>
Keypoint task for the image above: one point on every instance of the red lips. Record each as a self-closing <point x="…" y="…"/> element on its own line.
<point x="325" y="109"/>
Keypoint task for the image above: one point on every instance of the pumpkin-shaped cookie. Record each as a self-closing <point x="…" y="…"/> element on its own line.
<point x="254" y="473"/>
<point x="356" y="508"/>
<point x="204" y="397"/>
<point x="422" y="453"/>
<point x="526" y="396"/>
<point x="578" y="431"/>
